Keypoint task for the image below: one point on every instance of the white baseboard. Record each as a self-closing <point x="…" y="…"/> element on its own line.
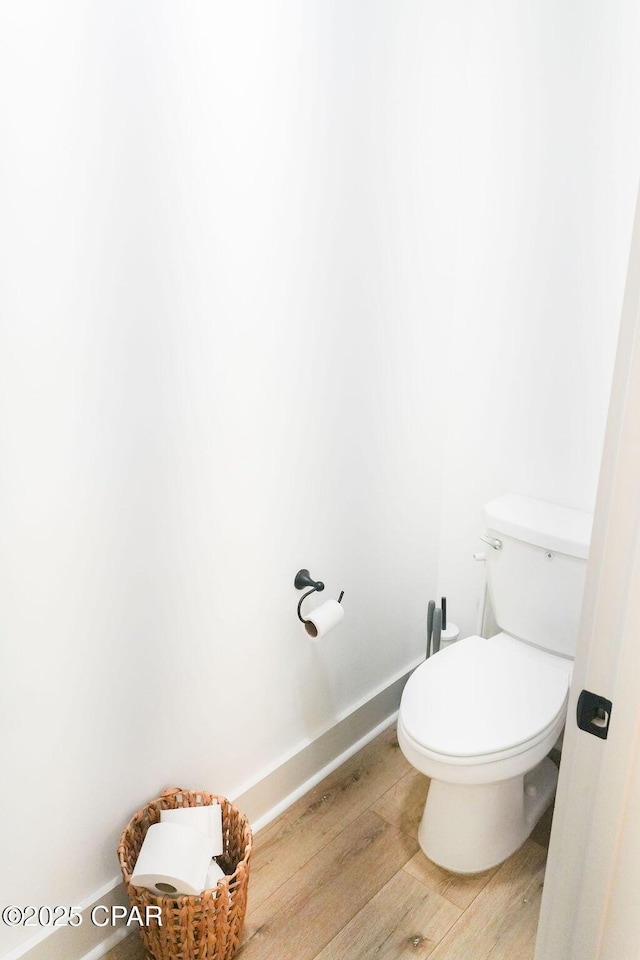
<point x="295" y="774"/>
<point x="272" y="792"/>
<point x="88" y="940"/>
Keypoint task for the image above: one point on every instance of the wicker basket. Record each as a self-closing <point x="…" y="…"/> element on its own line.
<point x="207" y="927"/>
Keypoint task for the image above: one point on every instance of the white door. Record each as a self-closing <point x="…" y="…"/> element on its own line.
<point x="591" y="899"/>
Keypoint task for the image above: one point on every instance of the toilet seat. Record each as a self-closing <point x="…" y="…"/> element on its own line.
<point x="484" y="699"/>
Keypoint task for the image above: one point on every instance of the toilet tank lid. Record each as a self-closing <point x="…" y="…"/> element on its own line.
<point x="540" y="523"/>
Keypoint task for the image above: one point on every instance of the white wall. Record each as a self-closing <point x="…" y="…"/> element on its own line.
<point x="242" y="245"/>
<point x="550" y="141"/>
<point x="214" y="229"/>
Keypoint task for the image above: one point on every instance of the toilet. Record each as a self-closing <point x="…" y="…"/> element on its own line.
<point x="480" y="716"/>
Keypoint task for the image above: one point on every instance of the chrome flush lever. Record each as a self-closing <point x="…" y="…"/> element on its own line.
<point x="496" y="544"/>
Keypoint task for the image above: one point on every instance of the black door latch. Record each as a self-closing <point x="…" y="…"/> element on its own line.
<point x="594" y="714"/>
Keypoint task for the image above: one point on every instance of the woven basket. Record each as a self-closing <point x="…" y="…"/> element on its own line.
<point x="207" y="927"/>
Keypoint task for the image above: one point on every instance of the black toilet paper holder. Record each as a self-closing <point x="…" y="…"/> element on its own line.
<point x="303" y="580"/>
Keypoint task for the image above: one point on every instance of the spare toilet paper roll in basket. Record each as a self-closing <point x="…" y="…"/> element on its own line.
<point x="206" y="818"/>
<point x="324" y="618"/>
<point x="173" y="859"/>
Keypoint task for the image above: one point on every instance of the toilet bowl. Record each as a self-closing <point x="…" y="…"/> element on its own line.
<point x="479" y="719"/>
<point x="480" y="716"/>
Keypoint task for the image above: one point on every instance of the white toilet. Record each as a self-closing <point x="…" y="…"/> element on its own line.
<point x="480" y="716"/>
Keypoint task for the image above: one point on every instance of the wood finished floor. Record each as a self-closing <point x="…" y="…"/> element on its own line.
<point x="340" y="876"/>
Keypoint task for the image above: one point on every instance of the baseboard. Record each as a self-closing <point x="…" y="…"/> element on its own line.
<point x="296" y="773"/>
<point x="262" y="800"/>
<point x="87" y="941"/>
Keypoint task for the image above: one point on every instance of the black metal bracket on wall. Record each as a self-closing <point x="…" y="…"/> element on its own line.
<point x="302" y="580"/>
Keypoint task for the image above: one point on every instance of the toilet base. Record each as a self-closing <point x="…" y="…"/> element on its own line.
<point x="467" y="828"/>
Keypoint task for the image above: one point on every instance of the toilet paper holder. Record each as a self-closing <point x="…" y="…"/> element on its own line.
<point x="302" y="580"/>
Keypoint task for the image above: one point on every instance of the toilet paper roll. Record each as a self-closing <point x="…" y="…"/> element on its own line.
<point x="206" y="818"/>
<point x="324" y="618"/>
<point x="214" y="873"/>
<point x="173" y="860"/>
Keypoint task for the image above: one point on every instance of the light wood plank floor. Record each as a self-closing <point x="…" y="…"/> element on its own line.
<point x="340" y="876"/>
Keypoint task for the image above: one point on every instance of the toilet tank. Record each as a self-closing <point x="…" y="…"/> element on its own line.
<point x="536" y="576"/>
